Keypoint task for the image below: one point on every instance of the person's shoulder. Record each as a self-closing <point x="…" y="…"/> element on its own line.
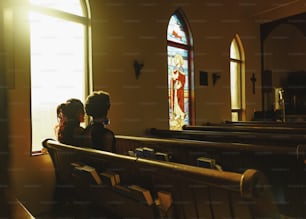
<point x="109" y="131"/>
<point x="79" y="130"/>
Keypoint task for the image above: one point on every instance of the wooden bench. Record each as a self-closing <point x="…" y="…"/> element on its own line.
<point x="283" y="166"/>
<point x="279" y="139"/>
<point x="258" y="129"/>
<point x="263" y="123"/>
<point x="196" y="192"/>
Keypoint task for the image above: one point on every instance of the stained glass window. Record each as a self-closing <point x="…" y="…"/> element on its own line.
<point x="178" y="73"/>
<point x="176" y="31"/>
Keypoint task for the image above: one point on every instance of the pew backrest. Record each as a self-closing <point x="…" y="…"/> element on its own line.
<point x="283" y="165"/>
<point x="237" y="128"/>
<point x="223" y="135"/>
<point x="263" y="123"/>
<point x="196" y="192"/>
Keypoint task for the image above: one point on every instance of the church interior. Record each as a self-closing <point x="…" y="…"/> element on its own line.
<point x="215" y="91"/>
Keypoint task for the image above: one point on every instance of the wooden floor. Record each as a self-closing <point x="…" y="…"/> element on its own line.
<point x="69" y="211"/>
<point x="19" y="211"/>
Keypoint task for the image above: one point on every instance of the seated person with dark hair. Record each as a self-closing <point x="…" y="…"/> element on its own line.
<point x="99" y="137"/>
<point x="70" y="114"/>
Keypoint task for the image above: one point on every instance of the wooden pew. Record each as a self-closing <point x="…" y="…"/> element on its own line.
<point x="283" y="166"/>
<point x="254" y="137"/>
<point x="196" y="192"/>
<point x="263" y="123"/>
<point x="258" y="129"/>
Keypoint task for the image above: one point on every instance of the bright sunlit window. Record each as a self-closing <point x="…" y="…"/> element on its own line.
<point x="58" y="66"/>
<point x="69" y="6"/>
<point x="236" y="79"/>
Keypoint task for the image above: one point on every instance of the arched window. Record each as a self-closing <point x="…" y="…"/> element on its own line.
<point x="59" y="37"/>
<point x="237" y="79"/>
<point x="180" y="79"/>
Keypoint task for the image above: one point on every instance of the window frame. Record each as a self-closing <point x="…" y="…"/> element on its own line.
<point x="240" y="62"/>
<point x="85" y="21"/>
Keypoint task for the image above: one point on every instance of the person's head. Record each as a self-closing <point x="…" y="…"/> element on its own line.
<point x="73" y="110"/>
<point x="59" y="111"/>
<point x="97" y="104"/>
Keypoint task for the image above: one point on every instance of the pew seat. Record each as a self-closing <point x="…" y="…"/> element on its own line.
<point x="195" y="192"/>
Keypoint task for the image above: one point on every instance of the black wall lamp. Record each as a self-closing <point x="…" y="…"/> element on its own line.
<point x="215" y="77"/>
<point x="137" y="68"/>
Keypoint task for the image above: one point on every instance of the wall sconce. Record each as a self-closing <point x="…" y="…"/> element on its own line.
<point x="215" y="77"/>
<point x="137" y="68"/>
